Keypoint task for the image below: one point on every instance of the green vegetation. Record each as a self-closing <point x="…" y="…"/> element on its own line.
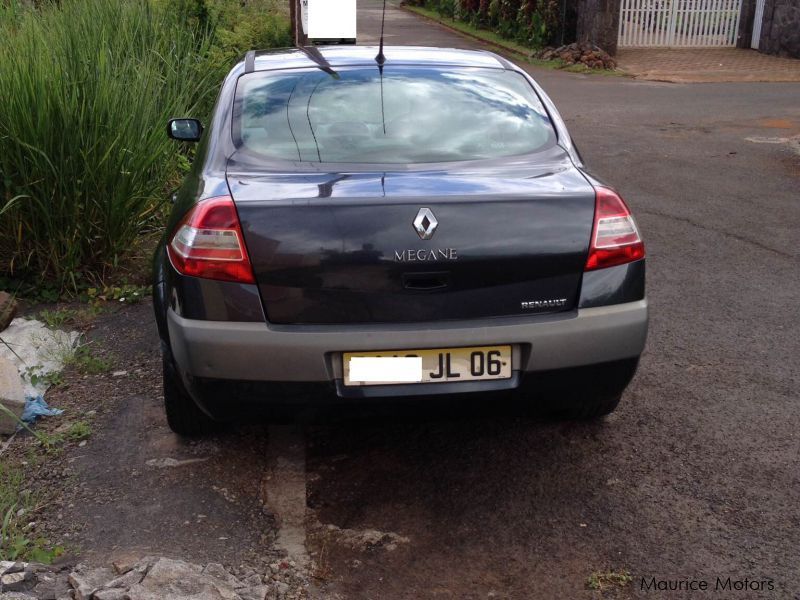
<point x="529" y="23"/>
<point x="79" y="430"/>
<point x="88" y="363"/>
<point x="609" y="579"/>
<point x="18" y="505"/>
<point x="57" y="317"/>
<point x="85" y="165"/>
<point x="52" y="444"/>
<point x="79" y="316"/>
<point x="522" y="52"/>
<point x="472" y="30"/>
<point x="129" y="294"/>
<point x="16" y="509"/>
<point x="37" y="375"/>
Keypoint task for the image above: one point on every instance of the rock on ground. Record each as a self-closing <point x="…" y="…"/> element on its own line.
<point x="12" y="396"/>
<point x="170" y="579"/>
<point x="8" y="309"/>
<point x="86" y="582"/>
<point x="584" y="53"/>
<point x="152" y="578"/>
<point x="32" y="581"/>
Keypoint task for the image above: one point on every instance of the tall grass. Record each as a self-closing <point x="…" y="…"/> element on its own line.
<point x="86" y="88"/>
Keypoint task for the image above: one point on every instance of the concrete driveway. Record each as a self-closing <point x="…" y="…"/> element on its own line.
<point x="707" y="65"/>
<point x="695" y="477"/>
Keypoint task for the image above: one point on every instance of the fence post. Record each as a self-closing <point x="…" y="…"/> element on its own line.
<point x="296" y="15"/>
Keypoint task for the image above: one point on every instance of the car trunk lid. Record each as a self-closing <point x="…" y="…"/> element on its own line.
<point x="361" y="246"/>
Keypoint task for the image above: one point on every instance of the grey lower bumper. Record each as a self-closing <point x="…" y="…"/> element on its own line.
<point x="266" y="352"/>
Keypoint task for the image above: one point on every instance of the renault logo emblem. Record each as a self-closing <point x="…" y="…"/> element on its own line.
<point x="425" y="223"/>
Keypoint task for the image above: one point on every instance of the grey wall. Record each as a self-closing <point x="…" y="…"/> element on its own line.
<point x="746" y="24"/>
<point x="598" y="23"/>
<point x="780" y="31"/>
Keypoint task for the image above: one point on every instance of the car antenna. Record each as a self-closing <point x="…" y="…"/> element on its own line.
<point x="381" y="60"/>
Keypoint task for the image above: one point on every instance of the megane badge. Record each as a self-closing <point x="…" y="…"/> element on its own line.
<point x="425" y="223"/>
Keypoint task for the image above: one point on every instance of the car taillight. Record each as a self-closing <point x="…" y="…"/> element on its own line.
<point x="615" y="238"/>
<point x="208" y="243"/>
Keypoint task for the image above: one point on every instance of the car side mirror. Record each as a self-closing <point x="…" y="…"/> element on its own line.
<point x="185" y="130"/>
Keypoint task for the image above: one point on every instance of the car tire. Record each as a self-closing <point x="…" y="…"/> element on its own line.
<point x="184" y="417"/>
<point x="584" y="409"/>
<point x="580" y="394"/>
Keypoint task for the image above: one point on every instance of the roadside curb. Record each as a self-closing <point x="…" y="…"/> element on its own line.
<point x="505" y="49"/>
<point x="465" y="34"/>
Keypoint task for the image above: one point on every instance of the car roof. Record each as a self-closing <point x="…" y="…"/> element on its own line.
<point x="348" y="55"/>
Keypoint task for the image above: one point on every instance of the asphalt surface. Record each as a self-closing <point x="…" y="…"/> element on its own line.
<point x="694" y="477"/>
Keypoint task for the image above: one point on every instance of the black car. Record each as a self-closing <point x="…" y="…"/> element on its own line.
<point x="353" y="230"/>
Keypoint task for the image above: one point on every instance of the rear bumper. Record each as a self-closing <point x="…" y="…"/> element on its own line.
<point x="262" y="352"/>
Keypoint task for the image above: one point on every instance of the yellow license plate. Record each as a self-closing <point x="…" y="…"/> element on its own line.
<point x="444" y="365"/>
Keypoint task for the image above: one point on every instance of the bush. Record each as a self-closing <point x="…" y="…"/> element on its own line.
<point x="237" y="26"/>
<point x="533" y="23"/>
<point x="88" y="86"/>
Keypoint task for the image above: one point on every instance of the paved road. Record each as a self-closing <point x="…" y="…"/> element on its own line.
<point x="695" y="476"/>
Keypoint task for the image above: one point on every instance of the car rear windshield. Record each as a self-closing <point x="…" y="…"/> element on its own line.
<point x="404" y="115"/>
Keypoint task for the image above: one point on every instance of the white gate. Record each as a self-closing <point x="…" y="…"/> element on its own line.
<point x="678" y="23"/>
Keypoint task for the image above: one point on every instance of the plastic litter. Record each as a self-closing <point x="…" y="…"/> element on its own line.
<point x="37" y="407"/>
<point x="36" y="349"/>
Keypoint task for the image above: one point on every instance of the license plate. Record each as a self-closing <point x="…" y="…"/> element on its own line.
<point x="445" y="365"/>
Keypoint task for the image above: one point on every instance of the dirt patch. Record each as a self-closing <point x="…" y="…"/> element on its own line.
<point x="132" y="487"/>
<point x="779" y="123"/>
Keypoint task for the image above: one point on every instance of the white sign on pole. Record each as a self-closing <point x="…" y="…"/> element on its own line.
<point x="304" y="15"/>
<point x="331" y="19"/>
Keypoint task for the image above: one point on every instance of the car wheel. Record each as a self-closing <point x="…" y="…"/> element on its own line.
<point x="583" y="409"/>
<point x="184" y="417"/>
<point x="579" y="394"/>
